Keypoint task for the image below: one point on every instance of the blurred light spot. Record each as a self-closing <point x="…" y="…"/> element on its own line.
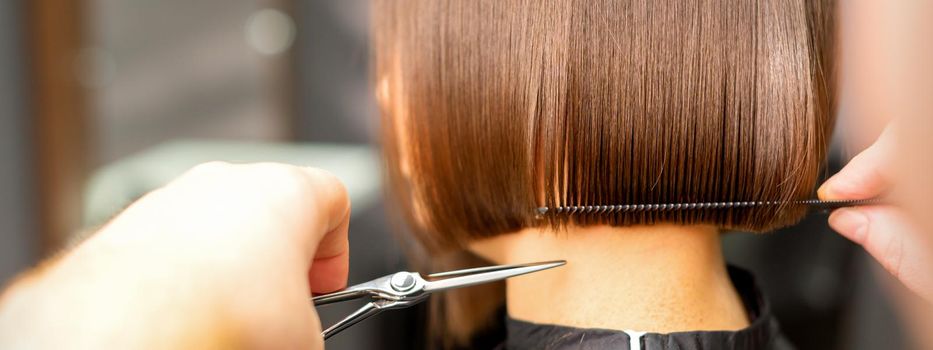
<point x="94" y="67"/>
<point x="382" y="91"/>
<point x="270" y="31"/>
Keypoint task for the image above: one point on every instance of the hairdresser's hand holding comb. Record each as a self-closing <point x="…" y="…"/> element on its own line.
<point x="885" y="231"/>
<point x="224" y="257"/>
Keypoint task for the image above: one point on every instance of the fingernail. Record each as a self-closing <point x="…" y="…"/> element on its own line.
<point x="826" y="190"/>
<point x="849" y="222"/>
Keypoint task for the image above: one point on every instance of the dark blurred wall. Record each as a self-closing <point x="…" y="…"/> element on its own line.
<point x="334" y="97"/>
<point x="18" y="232"/>
<point x="334" y="103"/>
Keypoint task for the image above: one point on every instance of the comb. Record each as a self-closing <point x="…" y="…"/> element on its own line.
<point x="634" y="208"/>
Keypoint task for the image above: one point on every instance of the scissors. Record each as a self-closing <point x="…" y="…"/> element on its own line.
<point x="403" y="289"/>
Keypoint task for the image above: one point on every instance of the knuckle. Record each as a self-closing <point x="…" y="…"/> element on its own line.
<point x="281" y="179"/>
<point x="330" y="180"/>
<point x="860" y="158"/>
<point x="331" y="184"/>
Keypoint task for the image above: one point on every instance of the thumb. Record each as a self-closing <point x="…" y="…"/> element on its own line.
<point x="886" y="235"/>
<point x="865" y="176"/>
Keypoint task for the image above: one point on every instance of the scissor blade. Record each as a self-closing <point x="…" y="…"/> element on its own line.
<point x="471" y="277"/>
<point x="367" y="311"/>
<point x="337" y="297"/>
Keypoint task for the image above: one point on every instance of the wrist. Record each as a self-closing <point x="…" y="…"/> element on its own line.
<point x="99" y="296"/>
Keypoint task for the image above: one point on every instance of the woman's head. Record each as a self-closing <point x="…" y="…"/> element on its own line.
<point x="493" y="108"/>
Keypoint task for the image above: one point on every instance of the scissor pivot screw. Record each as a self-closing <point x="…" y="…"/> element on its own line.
<point x="402" y="281"/>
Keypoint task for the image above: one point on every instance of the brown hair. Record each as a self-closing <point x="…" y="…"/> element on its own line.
<point x="493" y="108"/>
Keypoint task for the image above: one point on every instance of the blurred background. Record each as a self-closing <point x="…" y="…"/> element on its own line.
<point x="104" y="100"/>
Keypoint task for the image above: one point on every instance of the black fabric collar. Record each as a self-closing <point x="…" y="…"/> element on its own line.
<point x="762" y="333"/>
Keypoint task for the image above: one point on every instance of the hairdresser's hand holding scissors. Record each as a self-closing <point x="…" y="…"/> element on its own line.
<point x="224" y="257"/>
<point x="886" y="232"/>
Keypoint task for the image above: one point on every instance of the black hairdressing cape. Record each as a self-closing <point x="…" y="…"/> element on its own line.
<point x="762" y="333"/>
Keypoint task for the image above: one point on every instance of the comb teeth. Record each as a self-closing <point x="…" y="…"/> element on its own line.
<point x="631" y="208"/>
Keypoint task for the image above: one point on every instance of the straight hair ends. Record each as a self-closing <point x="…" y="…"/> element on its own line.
<point x="492" y="108"/>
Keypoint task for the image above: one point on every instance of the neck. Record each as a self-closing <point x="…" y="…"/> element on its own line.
<point x="660" y="278"/>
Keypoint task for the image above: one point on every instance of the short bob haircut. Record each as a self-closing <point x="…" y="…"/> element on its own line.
<point x="492" y="108"/>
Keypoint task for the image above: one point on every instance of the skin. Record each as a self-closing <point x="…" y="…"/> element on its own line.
<point x="888" y="82"/>
<point x="888" y="233"/>
<point x="661" y="278"/>
<point x="226" y="256"/>
<point x="234" y="251"/>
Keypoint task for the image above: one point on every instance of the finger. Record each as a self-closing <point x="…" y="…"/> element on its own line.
<point x="310" y="206"/>
<point x="329" y="243"/>
<point x="866" y="174"/>
<point x="886" y="235"/>
<point x="331" y="263"/>
<point x="329" y="274"/>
